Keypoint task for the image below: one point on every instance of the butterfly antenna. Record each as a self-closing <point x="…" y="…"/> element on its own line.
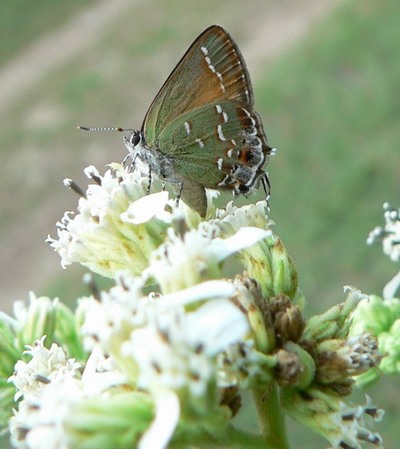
<point x="85" y="128"/>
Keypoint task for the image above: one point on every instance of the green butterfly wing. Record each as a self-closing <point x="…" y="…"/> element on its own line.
<point x="211" y="69"/>
<point x="217" y="141"/>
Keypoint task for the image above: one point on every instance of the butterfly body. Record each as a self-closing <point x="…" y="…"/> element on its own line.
<point x="159" y="163"/>
<point x="201" y="130"/>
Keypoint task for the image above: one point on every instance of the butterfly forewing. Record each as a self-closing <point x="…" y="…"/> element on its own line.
<point x="211" y="70"/>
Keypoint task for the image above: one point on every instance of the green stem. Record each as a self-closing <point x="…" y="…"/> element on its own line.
<point x="271" y="418"/>
<point x="230" y="437"/>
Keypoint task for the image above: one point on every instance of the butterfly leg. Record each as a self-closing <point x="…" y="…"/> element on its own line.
<point x="128" y="156"/>
<point x="133" y="161"/>
<point x="179" y="194"/>
<point x="150" y="181"/>
<point x="267" y="187"/>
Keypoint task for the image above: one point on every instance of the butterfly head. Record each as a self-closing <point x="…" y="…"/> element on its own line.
<point x="133" y="141"/>
<point x="139" y="151"/>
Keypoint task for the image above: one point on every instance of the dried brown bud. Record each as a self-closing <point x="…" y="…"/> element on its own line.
<point x="288" y="369"/>
<point x="287" y="319"/>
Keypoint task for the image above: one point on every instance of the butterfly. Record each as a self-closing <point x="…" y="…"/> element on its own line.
<point x="201" y="131"/>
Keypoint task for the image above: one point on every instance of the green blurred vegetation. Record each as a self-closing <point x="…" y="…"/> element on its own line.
<point x="332" y="109"/>
<point x="22" y="21"/>
<point x="330" y="105"/>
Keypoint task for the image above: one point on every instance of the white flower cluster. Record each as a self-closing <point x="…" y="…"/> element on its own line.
<point x="166" y="344"/>
<point x="185" y="260"/>
<point x="352" y="425"/>
<point x="343" y="424"/>
<point x="153" y="343"/>
<point x="361" y="353"/>
<point x="169" y="345"/>
<point x="389" y="235"/>
<point x="234" y="218"/>
<point x="46" y="384"/>
<point x="106" y="235"/>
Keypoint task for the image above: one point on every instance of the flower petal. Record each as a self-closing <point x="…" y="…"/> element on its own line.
<point x="145" y="208"/>
<point x="164" y="424"/>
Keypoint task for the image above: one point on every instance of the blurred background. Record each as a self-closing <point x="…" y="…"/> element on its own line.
<point x="326" y="76"/>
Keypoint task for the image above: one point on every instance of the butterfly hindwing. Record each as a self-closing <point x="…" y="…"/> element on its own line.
<point x="219" y="144"/>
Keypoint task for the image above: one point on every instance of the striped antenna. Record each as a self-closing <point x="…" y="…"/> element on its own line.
<point x="85" y="128"/>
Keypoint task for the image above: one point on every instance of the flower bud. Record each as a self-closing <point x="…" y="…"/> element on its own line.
<point x="381" y="318"/>
<point x="119" y="421"/>
<point x="338" y="360"/>
<point x="10" y="353"/>
<point x="336" y="321"/>
<point x="248" y="298"/>
<point x="295" y="366"/>
<point x="36" y="319"/>
<point x="288" y="321"/>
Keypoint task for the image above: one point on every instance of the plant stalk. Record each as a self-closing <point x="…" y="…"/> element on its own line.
<point x="271" y="418"/>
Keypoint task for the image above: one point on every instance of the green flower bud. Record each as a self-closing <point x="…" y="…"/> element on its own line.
<point x="381" y="318"/>
<point x="376" y="315"/>
<point x="117" y="422"/>
<point x="67" y="333"/>
<point x="10" y="353"/>
<point x="267" y="261"/>
<point x="336" y="321"/>
<point x="284" y="273"/>
<point x="7" y="403"/>
<point x="35" y="320"/>
<point x="248" y="298"/>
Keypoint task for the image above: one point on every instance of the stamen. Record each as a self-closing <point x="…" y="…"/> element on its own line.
<point x="74" y="187"/>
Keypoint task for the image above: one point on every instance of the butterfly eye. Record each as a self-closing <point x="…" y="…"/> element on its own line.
<point x="135" y="139"/>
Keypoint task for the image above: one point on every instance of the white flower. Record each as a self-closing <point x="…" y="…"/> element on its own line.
<point x="178" y="349"/>
<point x="389" y="235"/>
<point x="239" y="365"/>
<point x="167" y="345"/>
<point x="351" y="423"/>
<point x="47" y="384"/>
<point x="45" y="366"/>
<point x="100" y="236"/>
<point x="162" y="428"/>
<point x="342" y="423"/>
<point x="38" y="423"/>
<point x="34" y="319"/>
<point x="361" y="352"/>
<point x="125" y="313"/>
<point x="116" y="313"/>
<point x="145" y="208"/>
<point x="233" y="218"/>
<point x="185" y="260"/>
<point x="50" y="386"/>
